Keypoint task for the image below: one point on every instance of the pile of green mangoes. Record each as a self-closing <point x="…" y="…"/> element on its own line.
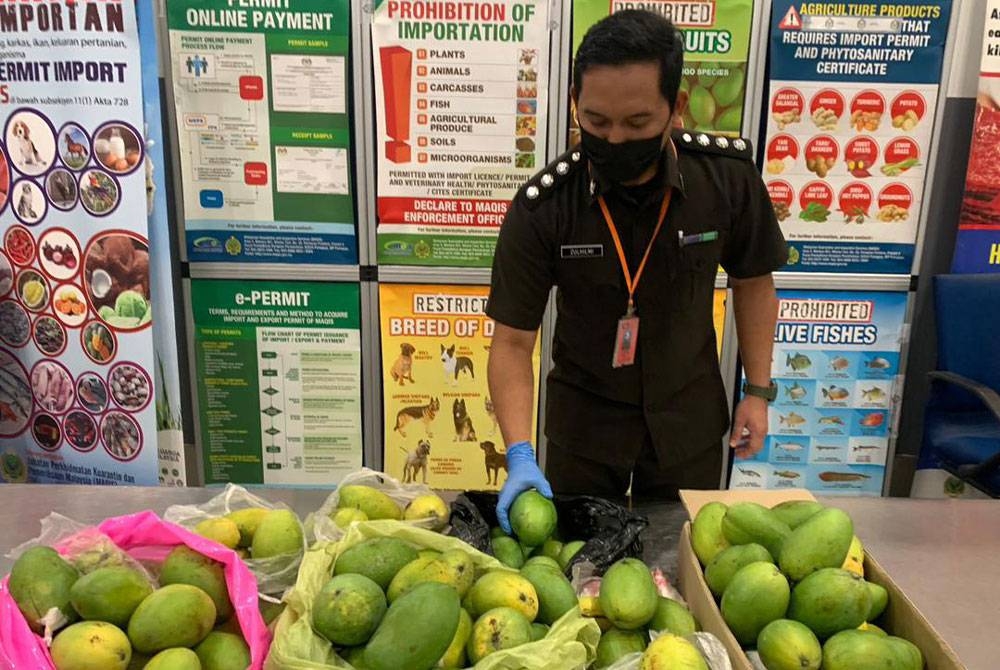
<point x="364" y="503"/>
<point x="115" y="620"/>
<point x="791" y="577"/>
<point x="715" y="96"/>
<point x="256" y="532"/>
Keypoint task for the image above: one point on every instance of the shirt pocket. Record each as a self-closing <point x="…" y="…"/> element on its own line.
<point x="698" y="266"/>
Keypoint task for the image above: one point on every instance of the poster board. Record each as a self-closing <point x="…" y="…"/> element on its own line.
<point x="76" y="363"/>
<point x="279" y="381"/>
<point x="436" y="401"/>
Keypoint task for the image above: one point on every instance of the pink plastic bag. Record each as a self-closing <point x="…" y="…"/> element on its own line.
<point x="144" y="536"/>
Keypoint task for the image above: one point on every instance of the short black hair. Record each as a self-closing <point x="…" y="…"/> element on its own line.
<point x="633" y="36"/>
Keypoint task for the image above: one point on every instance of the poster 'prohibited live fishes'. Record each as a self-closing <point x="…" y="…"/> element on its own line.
<point x="837" y="366"/>
<point x="440" y="423"/>
<point x="76" y="362"/>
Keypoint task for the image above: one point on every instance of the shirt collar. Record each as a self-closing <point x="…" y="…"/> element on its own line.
<point x="669" y="174"/>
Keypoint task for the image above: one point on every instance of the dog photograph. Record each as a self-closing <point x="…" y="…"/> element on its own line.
<point x="416" y="462"/>
<point x="454" y="365"/>
<point x="492" y="414"/>
<point x="464" y="432"/>
<point x="29" y="202"/>
<point x="74" y="147"/>
<point x="494" y="460"/>
<point x="31" y="143"/>
<point x="402" y="369"/>
<point x="61" y="188"/>
<point x="423" y="413"/>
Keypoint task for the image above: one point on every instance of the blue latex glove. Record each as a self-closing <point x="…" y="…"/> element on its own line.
<point x="523" y="474"/>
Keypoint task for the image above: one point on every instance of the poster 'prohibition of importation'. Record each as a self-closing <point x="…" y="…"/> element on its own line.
<point x="851" y="111"/>
<point x="837" y="365"/>
<point x="263" y="125"/>
<point x="462" y="118"/>
<point x="76" y="355"/>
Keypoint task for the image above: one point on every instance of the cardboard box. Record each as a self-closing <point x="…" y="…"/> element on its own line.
<point x="901" y="617"/>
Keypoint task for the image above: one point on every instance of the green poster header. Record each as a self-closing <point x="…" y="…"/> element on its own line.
<point x="322" y="17"/>
<point x="240" y="305"/>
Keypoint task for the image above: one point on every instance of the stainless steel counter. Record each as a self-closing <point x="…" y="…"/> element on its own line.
<point x="944" y="554"/>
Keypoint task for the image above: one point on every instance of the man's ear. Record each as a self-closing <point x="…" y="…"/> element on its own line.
<point x="680" y="106"/>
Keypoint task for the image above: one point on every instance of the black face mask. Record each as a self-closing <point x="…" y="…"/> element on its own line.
<point x="624" y="161"/>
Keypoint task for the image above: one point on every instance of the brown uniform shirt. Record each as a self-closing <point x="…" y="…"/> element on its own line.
<point x="555" y="235"/>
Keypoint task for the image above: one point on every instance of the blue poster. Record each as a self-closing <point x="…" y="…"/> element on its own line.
<point x="836" y="362"/>
<point x="76" y="308"/>
<point x="851" y="106"/>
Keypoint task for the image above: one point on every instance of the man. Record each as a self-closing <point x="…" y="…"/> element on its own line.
<point x="635" y="395"/>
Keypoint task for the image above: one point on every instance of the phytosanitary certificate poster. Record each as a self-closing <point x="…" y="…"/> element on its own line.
<point x="261" y="89"/>
<point x="440" y="423"/>
<point x="461" y="93"/>
<point x="836" y="362"/>
<point x="76" y="354"/>
<point x="851" y="108"/>
<point x="716" y="47"/>
<point x="977" y="248"/>
<point x="279" y="381"/>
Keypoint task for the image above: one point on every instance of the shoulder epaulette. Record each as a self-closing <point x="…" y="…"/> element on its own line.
<point x="548" y="181"/>
<point x="718" y="145"/>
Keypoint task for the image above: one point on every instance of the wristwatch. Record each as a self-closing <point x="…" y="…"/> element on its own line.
<point x="768" y="393"/>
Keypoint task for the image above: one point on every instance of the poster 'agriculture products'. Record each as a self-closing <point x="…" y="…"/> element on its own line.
<point x="440" y="424"/>
<point x="462" y="119"/>
<point x="716" y="47"/>
<point x="977" y="248"/>
<point x="76" y="362"/>
<point x="279" y="381"/>
<point x="262" y="94"/>
<point x="836" y="363"/>
<point x="851" y="110"/>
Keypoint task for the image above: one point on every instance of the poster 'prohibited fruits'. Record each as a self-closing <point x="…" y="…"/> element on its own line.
<point x="851" y="112"/>
<point x="461" y="109"/>
<point x="716" y="46"/>
<point x="76" y="362"/>
<point x="440" y="425"/>
<point x="977" y="248"/>
<point x="837" y="365"/>
<point x="279" y="381"/>
<point x="262" y="105"/>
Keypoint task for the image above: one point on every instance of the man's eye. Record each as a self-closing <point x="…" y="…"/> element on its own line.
<point x="638" y="124"/>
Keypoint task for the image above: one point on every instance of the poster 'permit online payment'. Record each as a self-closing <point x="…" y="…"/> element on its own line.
<point x="440" y="425"/>
<point x="716" y="47"/>
<point x="279" y="372"/>
<point x="261" y="91"/>
<point x="76" y="355"/>
<point x="851" y="111"/>
<point x="836" y="363"/>
<point x="462" y="118"/>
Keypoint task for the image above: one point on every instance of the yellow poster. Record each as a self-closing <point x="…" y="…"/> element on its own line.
<point x="719" y="317"/>
<point x="440" y="427"/>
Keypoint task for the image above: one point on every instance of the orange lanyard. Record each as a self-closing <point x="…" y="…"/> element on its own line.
<point x="633" y="282"/>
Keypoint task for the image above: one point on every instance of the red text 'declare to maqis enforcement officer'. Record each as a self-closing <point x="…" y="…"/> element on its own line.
<point x="631" y="227"/>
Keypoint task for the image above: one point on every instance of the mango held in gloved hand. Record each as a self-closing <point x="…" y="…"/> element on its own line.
<point x="532" y="518"/>
<point x="523" y="474"/>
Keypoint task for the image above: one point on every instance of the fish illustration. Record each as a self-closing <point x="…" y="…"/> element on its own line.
<point x="842" y="477"/>
<point x="795" y="391"/>
<point x="867" y="447"/>
<point x="792" y="420"/>
<point x="878" y="363"/>
<point x="874" y="394"/>
<point x="749" y="473"/>
<point x="839" y="363"/>
<point x="823" y="447"/>
<point x="835" y="393"/>
<point x="832" y="421"/>
<point x="873" y="420"/>
<point x="789" y="446"/>
<point x="786" y="474"/>
<point x="798" y="362"/>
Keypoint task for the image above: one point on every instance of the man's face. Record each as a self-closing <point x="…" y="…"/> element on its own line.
<point x="619" y="103"/>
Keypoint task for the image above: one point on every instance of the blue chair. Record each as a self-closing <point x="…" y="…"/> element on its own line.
<point x="962" y="421"/>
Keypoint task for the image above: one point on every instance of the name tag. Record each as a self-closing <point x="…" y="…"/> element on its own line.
<point x="582" y="251"/>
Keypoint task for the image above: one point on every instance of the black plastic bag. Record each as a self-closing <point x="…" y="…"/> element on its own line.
<point x="611" y="532"/>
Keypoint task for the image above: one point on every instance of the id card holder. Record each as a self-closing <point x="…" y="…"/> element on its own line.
<point x="626" y="341"/>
